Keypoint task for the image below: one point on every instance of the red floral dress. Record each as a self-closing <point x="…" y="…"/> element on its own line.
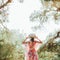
<point x="32" y="54"/>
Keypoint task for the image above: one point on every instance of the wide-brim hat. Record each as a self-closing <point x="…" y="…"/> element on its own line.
<point x="32" y="35"/>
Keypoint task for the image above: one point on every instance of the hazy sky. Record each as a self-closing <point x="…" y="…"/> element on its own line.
<point x="19" y="18"/>
<point x="19" y="14"/>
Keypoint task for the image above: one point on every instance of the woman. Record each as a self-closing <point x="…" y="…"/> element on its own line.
<point x="32" y="53"/>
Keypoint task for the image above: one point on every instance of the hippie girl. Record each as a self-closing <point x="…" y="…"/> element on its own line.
<point x="32" y="53"/>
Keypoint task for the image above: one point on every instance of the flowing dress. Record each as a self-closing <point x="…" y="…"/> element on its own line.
<point x="31" y="54"/>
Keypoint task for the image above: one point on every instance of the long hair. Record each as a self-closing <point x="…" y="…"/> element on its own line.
<point x="32" y="36"/>
<point x="32" y="39"/>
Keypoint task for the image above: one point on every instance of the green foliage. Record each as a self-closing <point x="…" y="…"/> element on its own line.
<point x="10" y="45"/>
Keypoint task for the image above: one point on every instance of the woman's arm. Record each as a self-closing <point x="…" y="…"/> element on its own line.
<point x="38" y="41"/>
<point x="24" y="42"/>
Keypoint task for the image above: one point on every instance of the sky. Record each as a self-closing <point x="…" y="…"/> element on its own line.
<point x="19" y="14"/>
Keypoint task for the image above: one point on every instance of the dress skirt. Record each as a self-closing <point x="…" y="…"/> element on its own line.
<point x="32" y="55"/>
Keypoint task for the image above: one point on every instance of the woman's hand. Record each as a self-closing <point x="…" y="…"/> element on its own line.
<point x="24" y="42"/>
